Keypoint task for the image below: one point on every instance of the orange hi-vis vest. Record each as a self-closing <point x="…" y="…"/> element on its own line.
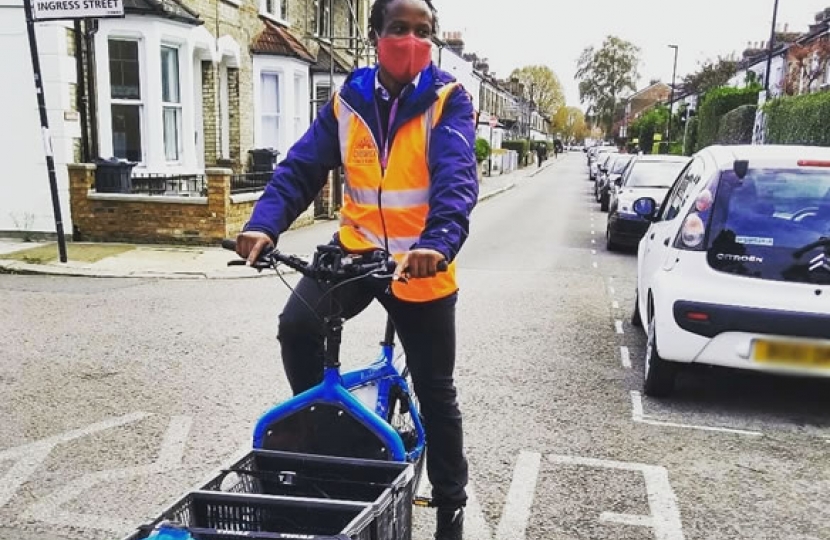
<point x="388" y="209"/>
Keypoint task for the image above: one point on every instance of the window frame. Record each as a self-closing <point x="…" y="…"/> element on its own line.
<point x="262" y="114"/>
<point x="138" y="103"/>
<point x="176" y="106"/>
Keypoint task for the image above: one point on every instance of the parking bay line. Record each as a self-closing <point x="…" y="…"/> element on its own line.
<point x="664" y="519"/>
<point x="619" y="327"/>
<point x="516" y="514"/>
<point x="638" y="416"/>
<point x="625" y="355"/>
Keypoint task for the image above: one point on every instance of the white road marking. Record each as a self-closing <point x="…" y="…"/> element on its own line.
<point x="593" y="252"/>
<point x="31" y="456"/>
<point x="615" y="304"/>
<point x="516" y="513"/>
<point x="625" y="355"/>
<point x="619" y="327"/>
<point x="48" y="509"/>
<point x="595" y="265"/>
<point x="513" y="524"/>
<point x="612" y="291"/>
<point x="662" y="502"/>
<point x="638" y="416"/>
<point x="593" y="241"/>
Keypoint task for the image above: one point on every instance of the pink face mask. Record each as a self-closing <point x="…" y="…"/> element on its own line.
<point x="404" y="57"/>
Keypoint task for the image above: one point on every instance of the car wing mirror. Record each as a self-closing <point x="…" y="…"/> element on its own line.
<point x="646" y="208"/>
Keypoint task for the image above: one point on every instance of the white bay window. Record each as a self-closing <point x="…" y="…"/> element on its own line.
<point x="270" y="110"/>
<point x="171" y="103"/>
<point x="125" y="95"/>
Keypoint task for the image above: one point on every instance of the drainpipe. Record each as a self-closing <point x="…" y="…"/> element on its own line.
<point x="81" y="102"/>
<point x="89" y="35"/>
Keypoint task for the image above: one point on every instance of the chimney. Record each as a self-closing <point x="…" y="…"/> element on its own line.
<point x="455" y="42"/>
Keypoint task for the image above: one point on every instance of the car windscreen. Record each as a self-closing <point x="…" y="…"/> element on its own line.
<point x="654" y="174"/>
<point x="620" y="164"/>
<point x="773" y="224"/>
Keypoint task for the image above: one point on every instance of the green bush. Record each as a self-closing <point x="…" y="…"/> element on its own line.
<point x="717" y="103"/>
<point x="691" y="136"/>
<point x="676" y="149"/>
<point x="737" y="125"/>
<point x="482" y="150"/>
<point x="651" y="122"/>
<point x="799" y="120"/>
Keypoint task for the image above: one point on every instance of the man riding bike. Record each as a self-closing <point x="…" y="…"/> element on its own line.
<point x="404" y="131"/>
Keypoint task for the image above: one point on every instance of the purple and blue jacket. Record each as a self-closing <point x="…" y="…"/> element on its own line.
<point x="452" y="163"/>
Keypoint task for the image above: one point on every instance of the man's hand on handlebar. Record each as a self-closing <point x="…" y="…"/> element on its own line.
<point x="250" y="244"/>
<point x="419" y="263"/>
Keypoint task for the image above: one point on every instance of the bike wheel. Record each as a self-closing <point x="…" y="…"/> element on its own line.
<point x="402" y="404"/>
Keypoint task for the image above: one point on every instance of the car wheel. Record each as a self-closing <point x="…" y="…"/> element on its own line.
<point x="636" y="318"/>
<point x="610" y="245"/>
<point x="660" y="375"/>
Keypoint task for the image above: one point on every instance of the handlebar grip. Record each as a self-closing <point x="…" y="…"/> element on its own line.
<point x="228" y="244"/>
<point x="443" y="266"/>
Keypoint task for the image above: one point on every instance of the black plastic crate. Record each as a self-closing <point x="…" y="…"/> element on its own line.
<point x="388" y="485"/>
<point x="210" y="515"/>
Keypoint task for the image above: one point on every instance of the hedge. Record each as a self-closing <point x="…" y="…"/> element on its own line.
<point x="717" y="103"/>
<point x="799" y="120"/>
<point x="737" y="125"/>
<point x="482" y="150"/>
<point x="521" y="146"/>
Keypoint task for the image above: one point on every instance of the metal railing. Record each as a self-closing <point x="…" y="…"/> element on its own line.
<point x="250" y="182"/>
<point x="179" y="185"/>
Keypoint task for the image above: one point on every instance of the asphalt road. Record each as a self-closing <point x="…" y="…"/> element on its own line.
<point x="117" y="396"/>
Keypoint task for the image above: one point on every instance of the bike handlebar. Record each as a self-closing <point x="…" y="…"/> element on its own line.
<point x="330" y="263"/>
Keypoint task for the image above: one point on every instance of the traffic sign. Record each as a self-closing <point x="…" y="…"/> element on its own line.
<point x="45" y="10"/>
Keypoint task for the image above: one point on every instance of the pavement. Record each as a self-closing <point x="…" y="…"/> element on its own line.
<point x="150" y="261"/>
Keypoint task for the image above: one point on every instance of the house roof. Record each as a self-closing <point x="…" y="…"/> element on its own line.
<point x="324" y="63"/>
<point x="167" y="9"/>
<point x="277" y="41"/>
<point x="646" y="89"/>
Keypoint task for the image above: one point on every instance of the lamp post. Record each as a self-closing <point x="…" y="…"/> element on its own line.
<point x="770" y="47"/>
<point x="671" y="100"/>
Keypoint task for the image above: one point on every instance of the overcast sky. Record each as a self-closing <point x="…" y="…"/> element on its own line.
<point x="514" y="33"/>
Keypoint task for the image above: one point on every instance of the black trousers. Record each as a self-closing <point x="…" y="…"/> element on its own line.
<point x="427" y="333"/>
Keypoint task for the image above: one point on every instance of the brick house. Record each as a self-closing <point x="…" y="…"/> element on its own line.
<point x="249" y="62"/>
<point x="180" y="86"/>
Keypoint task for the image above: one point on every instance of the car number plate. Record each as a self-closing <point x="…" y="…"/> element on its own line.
<point x="793" y="353"/>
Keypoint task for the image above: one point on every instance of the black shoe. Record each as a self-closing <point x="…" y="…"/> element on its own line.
<point x="449" y="524"/>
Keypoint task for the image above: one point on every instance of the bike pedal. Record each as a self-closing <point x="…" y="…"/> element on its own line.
<point x="423" y="502"/>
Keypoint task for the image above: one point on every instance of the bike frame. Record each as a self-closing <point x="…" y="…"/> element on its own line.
<point x="335" y="389"/>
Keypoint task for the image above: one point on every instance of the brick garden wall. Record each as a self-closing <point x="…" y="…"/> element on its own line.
<point x="115" y="217"/>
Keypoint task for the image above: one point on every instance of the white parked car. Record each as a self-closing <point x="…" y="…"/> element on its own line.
<point x="734" y="269"/>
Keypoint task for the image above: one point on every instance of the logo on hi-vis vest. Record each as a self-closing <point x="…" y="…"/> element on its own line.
<point x="363" y="152"/>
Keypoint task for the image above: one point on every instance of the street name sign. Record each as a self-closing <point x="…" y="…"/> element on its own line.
<point x="77" y="9"/>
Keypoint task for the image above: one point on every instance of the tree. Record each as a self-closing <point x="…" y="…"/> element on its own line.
<point x="808" y="64"/>
<point x="543" y="87"/>
<point x="647" y="125"/>
<point x="711" y="74"/>
<point x="604" y="74"/>
<point x="570" y="123"/>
